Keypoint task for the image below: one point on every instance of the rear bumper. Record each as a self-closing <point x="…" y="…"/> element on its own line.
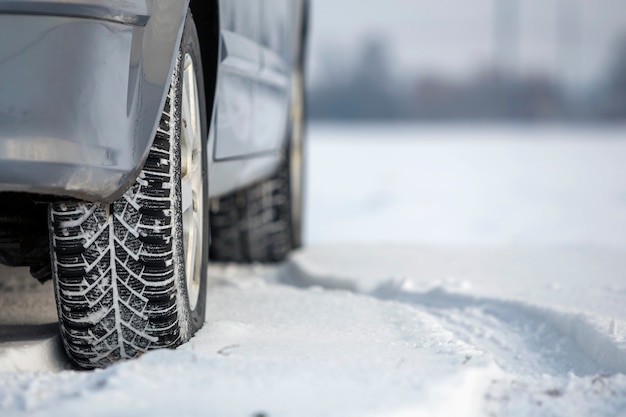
<point x="82" y="85"/>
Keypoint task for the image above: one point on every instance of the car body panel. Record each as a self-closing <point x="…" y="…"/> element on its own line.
<point x="127" y="12"/>
<point x="227" y="175"/>
<point x="82" y="88"/>
<point x="253" y="94"/>
<point x="83" y="82"/>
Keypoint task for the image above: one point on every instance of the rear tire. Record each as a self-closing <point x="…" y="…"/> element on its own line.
<point x="263" y="222"/>
<point x="124" y="272"/>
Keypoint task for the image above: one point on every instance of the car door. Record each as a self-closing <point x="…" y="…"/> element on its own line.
<point x="254" y="82"/>
<point x="272" y="95"/>
<point x="240" y="65"/>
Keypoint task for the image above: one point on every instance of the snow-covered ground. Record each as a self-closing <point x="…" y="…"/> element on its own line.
<point x="468" y="185"/>
<point x="449" y="272"/>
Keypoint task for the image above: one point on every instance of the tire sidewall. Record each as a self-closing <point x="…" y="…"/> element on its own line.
<point x="296" y="131"/>
<point x="190" y="45"/>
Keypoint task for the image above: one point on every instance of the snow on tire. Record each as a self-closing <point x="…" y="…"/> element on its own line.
<point x="119" y="268"/>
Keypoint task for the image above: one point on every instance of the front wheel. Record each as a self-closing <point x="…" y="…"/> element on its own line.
<point x="131" y="276"/>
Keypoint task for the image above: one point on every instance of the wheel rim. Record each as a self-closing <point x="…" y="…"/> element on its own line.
<point x="296" y="159"/>
<point x="191" y="181"/>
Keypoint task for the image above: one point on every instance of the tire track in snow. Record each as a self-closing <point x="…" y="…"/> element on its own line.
<point x="522" y="338"/>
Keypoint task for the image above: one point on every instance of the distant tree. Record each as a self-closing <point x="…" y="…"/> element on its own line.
<point x="488" y="96"/>
<point x="363" y="91"/>
<point x="365" y="88"/>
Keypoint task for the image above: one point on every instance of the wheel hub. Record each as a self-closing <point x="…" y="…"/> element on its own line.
<point x="191" y="180"/>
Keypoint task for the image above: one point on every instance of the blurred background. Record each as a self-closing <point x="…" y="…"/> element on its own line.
<point x="469" y="60"/>
<point x="467" y="122"/>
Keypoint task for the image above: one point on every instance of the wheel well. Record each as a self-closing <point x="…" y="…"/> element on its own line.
<point x="206" y="17"/>
<point x="305" y="33"/>
<point x="24" y="232"/>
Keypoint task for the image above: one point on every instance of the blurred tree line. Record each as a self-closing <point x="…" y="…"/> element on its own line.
<point x="368" y="90"/>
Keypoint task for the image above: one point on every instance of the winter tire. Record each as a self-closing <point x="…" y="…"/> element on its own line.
<point x="130" y="276"/>
<point x="295" y="149"/>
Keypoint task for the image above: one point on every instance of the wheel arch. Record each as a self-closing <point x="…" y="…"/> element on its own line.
<point x="305" y="26"/>
<point x="80" y="122"/>
<point x="206" y="17"/>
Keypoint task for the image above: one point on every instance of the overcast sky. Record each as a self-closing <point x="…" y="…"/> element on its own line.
<point x="456" y="37"/>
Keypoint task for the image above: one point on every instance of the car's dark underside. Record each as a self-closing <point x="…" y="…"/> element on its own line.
<point x="24" y="232"/>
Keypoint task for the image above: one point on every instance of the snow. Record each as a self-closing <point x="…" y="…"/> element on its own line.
<point x="468" y="185"/>
<point x="444" y="276"/>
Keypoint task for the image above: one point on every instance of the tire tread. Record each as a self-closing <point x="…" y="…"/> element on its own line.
<point x="114" y="265"/>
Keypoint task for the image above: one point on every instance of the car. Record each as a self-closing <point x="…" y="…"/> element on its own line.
<point x="140" y="139"/>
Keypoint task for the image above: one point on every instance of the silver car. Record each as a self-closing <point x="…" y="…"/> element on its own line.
<point x="138" y="140"/>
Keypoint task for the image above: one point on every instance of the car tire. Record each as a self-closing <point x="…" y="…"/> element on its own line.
<point x="263" y="222"/>
<point x="130" y="276"/>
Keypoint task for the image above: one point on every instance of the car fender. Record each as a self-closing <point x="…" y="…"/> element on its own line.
<point x="82" y="88"/>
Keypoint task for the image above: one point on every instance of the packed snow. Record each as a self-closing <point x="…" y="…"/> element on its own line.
<point x="448" y="272"/>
